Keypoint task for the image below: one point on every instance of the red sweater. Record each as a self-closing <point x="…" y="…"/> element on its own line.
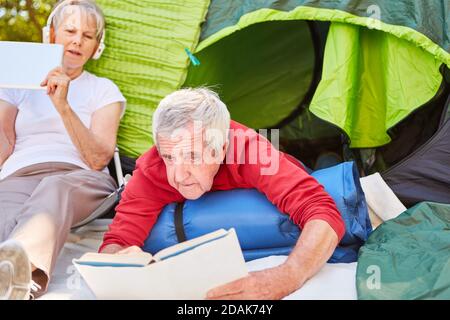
<point x="291" y="189"/>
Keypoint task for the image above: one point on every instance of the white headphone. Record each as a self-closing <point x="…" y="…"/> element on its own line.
<point x="47" y="28"/>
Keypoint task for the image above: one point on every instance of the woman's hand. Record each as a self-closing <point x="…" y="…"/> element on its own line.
<point x="57" y="82"/>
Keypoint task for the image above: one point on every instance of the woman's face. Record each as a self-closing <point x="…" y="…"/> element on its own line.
<point x="77" y="33"/>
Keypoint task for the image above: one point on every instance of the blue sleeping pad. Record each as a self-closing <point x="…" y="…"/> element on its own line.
<point x="262" y="229"/>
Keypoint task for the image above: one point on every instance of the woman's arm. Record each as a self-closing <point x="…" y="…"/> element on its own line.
<point x="95" y="144"/>
<point x="8" y="114"/>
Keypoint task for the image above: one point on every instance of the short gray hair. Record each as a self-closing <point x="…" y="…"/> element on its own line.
<point x="183" y="107"/>
<point x="86" y="6"/>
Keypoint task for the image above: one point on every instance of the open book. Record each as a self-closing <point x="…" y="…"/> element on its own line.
<point x="24" y="65"/>
<point x="184" y="271"/>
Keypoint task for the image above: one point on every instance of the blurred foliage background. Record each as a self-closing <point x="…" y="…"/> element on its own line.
<point x="22" y="20"/>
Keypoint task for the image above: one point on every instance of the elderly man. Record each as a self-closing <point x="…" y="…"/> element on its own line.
<point x="198" y="149"/>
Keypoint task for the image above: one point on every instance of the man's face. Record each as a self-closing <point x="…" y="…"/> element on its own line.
<point x="190" y="165"/>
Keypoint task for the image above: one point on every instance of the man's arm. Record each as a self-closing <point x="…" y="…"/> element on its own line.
<point x="288" y="186"/>
<point x="135" y="216"/>
<point x="142" y="200"/>
<point x="8" y="114"/>
<point x="314" y="247"/>
<point x="299" y="195"/>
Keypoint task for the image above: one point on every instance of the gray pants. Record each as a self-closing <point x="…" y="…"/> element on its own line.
<point x="40" y="203"/>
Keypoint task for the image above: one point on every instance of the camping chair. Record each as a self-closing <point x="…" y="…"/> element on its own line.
<point x="113" y="199"/>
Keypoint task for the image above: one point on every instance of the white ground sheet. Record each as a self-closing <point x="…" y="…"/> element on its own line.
<point x="334" y="281"/>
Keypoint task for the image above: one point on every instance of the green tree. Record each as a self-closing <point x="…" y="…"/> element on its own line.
<point x="22" y="20"/>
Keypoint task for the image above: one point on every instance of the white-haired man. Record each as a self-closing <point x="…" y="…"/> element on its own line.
<point x="197" y="150"/>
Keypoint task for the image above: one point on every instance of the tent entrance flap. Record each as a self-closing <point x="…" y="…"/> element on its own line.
<point x="367" y="82"/>
<point x="261" y="72"/>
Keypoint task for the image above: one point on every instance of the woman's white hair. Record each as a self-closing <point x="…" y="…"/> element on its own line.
<point x="88" y="7"/>
<point x="181" y="108"/>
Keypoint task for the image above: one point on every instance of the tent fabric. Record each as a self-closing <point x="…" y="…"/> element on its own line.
<point x="404" y="19"/>
<point x="367" y="81"/>
<point x="424" y="174"/>
<point x="412" y="132"/>
<point x="408" y="257"/>
<point x="222" y="14"/>
<point x="145" y="57"/>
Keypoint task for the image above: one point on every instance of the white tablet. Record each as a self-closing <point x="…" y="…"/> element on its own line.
<point x="24" y="65"/>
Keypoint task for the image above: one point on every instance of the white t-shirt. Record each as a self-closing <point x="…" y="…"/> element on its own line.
<point x="40" y="132"/>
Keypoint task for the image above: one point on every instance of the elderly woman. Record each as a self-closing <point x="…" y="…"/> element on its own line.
<point x="55" y="145"/>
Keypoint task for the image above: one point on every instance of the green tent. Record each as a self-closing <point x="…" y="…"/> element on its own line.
<point x="408" y="257"/>
<point x="327" y="73"/>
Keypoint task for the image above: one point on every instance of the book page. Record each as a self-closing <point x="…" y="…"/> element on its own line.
<point x="139" y="259"/>
<point x="144" y="258"/>
<point x="184" y="276"/>
<point x="24" y="65"/>
<point x="207" y="266"/>
<point x="188" y="245"/>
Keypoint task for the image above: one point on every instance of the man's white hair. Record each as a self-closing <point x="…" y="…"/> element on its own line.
<point x="181" y="108"/>
<point x="88" y="7"/>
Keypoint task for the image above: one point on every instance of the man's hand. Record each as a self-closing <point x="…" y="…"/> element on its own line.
<point x="112" y="248"/>
<point x="132" y="249"/>
<point x="118" y="249"/>
<point x="314" y="247"/>
<point x="57" y="83"/>
<point x="8" y="114"/>
<point x="270" y="284"/>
